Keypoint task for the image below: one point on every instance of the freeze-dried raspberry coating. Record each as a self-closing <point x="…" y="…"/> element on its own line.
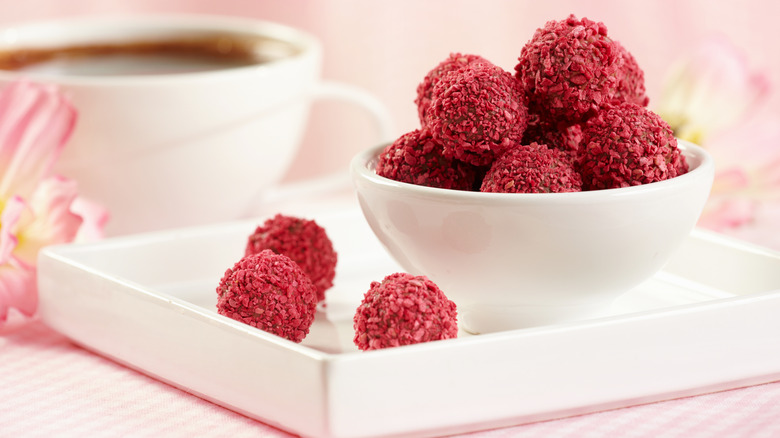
<point x="302" y="240"/>
<point x="626" y="145"/>
<point x="416" y="158"/>
<point x="551" y="134"/>
<point x="533" y="168"/>
<point x="404" y="309"/>
<point x="269" y="291"/>
<point x="453" y="62"/>
<point x="477" y="112"/>
<point x="631" y="79"/>
<point x="568" y="69"/>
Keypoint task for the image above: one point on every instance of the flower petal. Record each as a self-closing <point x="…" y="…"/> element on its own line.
<point x="52" y="222"/>
<point x="711" y="90"/>
<point x="747" y="159"/>
<point x="722" y="214"/>
<point x="93" y="219"/>
<point x="9" y="223"/>
<point x="35" y="122"/>
<point x="17" y="290"/>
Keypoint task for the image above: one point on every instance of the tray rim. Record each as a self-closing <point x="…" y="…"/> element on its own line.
<point x="60" y="253"/>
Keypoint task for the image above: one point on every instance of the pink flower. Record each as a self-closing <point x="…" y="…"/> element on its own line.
<point x="714" y="99"/>
<point x="36" y="207"/>
<point x="710" y="91"/>
<point x="747" y="177"/>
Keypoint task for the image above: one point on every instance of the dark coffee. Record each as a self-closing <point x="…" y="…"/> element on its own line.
<point x="183" y="54"/>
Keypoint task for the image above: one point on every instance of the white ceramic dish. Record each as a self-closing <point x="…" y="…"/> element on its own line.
<point x="706" y="322"/>
<point x="518" y="260"/>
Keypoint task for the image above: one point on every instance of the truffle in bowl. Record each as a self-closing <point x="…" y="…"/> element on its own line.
<point x="516" y="260"/>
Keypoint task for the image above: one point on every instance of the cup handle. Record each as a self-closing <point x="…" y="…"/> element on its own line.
<point x="328" y="90"/>
<point x="317" y="188"/>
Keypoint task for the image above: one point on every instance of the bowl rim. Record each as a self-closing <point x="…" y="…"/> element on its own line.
<point x="363" y="164"/>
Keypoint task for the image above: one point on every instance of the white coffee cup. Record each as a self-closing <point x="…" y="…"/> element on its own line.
<point x="176" y="144"/>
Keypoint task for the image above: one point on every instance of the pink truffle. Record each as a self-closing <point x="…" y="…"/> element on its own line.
<point x="269" y="291"/>
<point x="303" y="241"/>
<point x="533" y="168"/>
<point x="453" y="62"/>
<point x="477" y="112"/>
<point x="403" y="309"/>
<point x="568" y="69"/>
<point x="631" y="79"/>
<point x="626" y="145"/>
<point x="415" y="158"/>
<point x="558" y="136"/>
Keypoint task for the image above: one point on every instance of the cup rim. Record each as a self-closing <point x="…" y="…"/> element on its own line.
<point x="308" y="44"/>
<point x="363" y="164"/>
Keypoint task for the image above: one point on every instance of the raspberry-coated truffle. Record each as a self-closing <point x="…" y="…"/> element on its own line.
<point x="533" y="168"/>
<point x="568" y="69"/>
<point x="453" y="62"/>
<point x="416" y="158"/>
<point x="403" y="309"/>
<point x="477" y="112"/>
<point x="626" y="145"/>
<point x="269" y="291"/>
<point x="631" y="79"/>
<point x="543" y="131"/>
<point x="302" y="240"/>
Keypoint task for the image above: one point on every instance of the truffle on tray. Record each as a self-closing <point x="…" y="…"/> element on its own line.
<point x="269" y="291"/>
<point x="302" y="240"/>
<point x="404" y="309"/>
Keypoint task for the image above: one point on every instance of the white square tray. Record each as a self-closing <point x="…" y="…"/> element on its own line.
<point x="709" y="321"/>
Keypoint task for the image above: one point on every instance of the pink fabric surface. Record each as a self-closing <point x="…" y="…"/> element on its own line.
<point x="50" y="387"/>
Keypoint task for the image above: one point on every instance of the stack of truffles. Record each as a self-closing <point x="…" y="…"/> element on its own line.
<point x="572" y="117"/>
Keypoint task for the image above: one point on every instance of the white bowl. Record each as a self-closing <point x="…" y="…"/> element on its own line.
<point x="518" y="260"/>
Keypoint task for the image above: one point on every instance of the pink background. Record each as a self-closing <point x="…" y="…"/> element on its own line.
<point x="387" y="47"/>
<point x="50" y="386"/>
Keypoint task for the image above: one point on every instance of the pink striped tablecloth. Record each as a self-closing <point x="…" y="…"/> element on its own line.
<point x="50" y="387"/>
